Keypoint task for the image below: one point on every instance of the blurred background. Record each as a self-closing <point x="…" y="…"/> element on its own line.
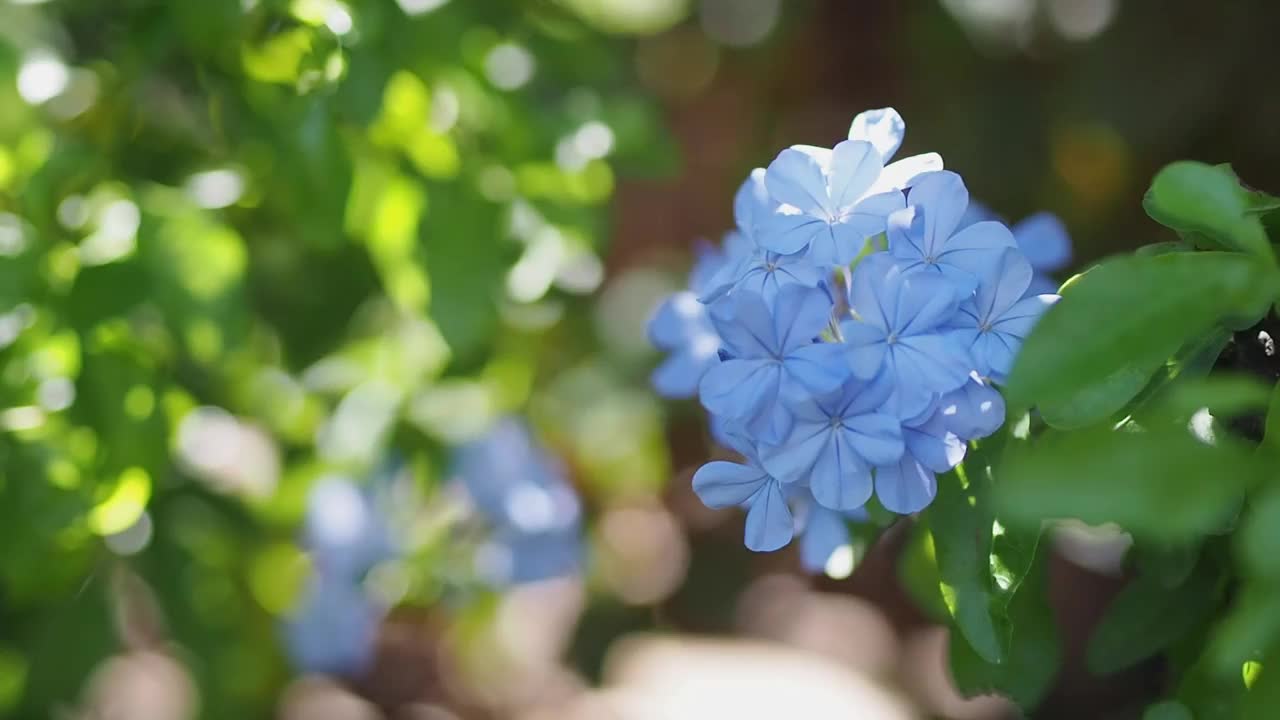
<point x="323" y="367"/>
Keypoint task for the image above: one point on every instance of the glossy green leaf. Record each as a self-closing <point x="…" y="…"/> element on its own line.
<point x="1160" y="484"/>
<point x="1197" y="198"/>
<point x="1148" y="616"/>
<point x="1167" y="300"/>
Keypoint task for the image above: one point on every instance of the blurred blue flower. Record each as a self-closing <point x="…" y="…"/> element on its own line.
<point x="335" y="629"/>
<point x="772" y="356"/>
<point x="994" y="322"/>
<point x="344" y="531"/>
<point x="522" y="492"/>
<point x="682" y="326"/>
<point x="834" y="442"/>
<point x="899" y="330"/>
<point x="1043" y="239"/>
<point x="925" y="235"/>
<point x="823" y="532"/>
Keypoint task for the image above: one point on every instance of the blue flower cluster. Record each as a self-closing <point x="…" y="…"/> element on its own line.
<point x="335" y="628"/>
<point x="848" y="337"/>
<point x="533" y="515"/>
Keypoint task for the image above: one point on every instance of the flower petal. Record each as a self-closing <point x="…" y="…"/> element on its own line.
<point x="944" y="198"/>
<point x="721" y="484"/>
<point x="824" y="533"/>
<point x="840" y="479"/>
<point x="905" y="487"/>
<point x="769" y="521"/>
<point x="904" y="173"/>
<point x="819" y="367"/>
<point x="738" y="389"/>
<point x="877" y="437"/>
<point x="1044" y="241"/>
<point x="855" y="166"/>
<point x="794" y="458"/>
<point x="798" y="177"/>
<point x="884" y="128"/>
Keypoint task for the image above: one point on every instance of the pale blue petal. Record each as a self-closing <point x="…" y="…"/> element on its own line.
<point x="819" y="367"/>
<point x="738" y="389"/>
<point x="1042" y="284"/>
<point x="937" y="362"/>
<point x="773" y="422"/>
<point x="1044" y="240"/>
<point x="855" y="166"/>
<point x="721" y="484"/>
<point x="824" y="533"/>
<point x="933" y="445"/>
<point x="793" y="459"/>
<point x="905" y="231"/>
<point x="745" y="325"/>
<point x="883" y="128"/>
<point x="797" y="269"/>
<point x="678" y="376"/>
<point x="788" y="231"/>
<point x="797" y="177"/>
<point x="877" y="437"/>
<point x="944" y="198"/>
<point x="873" y="290"/>
<point x="752" y="204"/>
<point x="840" y="480"/>
<point x="974" y="411"/>
<point x="769" y="522"/>
<point x="866" y="361"/>
<point x="904" y="173"/>
<point x="905" y="487"/>
<point x="800" y="314"/>
<point x="976" y="249"/>
<point x="1004" y="286"/>
<point x="1022" y="317"/>
<point x="861" y="398"/>
<point x="925" y="301"/>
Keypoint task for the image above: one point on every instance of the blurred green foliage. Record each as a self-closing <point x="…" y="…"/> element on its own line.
<point x="349" y="225"/>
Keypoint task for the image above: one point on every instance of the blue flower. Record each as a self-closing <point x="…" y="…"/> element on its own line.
<point x="974" y="410"/>
<point x="834" y="442"/>
<point x="1043" y="239"/>
<point x="924" y="235"/>
<point x="772" y="356"/>
<point x="829" y="201"/>
<point x="909" y="485"/>
<point x="723" y="484"/>
<point x="823" y="532"/>
<point x="344" y="532"/>
<point x="335" y="628"/>
<point x="749" y="265"/>
<point x="899" y="329"/>
<point x="994" y="322"/>
<point x="884" y="129"/>
<point x="682" y="326"/>
<point x="520" y="489"/>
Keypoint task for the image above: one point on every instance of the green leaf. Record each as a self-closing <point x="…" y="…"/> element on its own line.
<point x="1271" y="437"/>
<point x="1251" y="625"/>
<point x="1260" y="536"/>
<point x="960" y="520"/>
<point x="1168" y="710"/>
<point x="1096" y="401"/>
<point x="1167" y="300"/>
<point x="1034" y="653"/>
<point x="1148" y="616"/>
<point x="1158" y="484"/>
<point x="1193" y="197"/>
<point x="981" y="564"/>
